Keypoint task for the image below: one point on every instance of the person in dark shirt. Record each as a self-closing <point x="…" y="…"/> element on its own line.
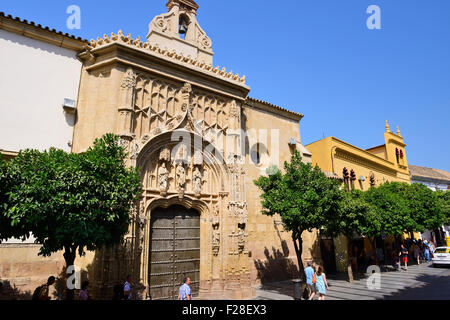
<point x="404" y="256"/>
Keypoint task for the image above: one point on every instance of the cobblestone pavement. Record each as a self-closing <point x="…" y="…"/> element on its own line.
<point x="421" y="282"/>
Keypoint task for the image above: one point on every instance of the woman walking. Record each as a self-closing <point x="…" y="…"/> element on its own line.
<point x="417" y="253"/>
<point x="321" y="284"/>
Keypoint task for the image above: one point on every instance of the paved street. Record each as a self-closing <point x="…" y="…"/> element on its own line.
<point x="419" y="282"/>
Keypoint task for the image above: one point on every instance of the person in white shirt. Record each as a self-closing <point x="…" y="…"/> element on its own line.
<point x="127" y="288"/>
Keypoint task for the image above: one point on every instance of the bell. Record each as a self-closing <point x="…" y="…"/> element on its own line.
<point x="183" y="26"/>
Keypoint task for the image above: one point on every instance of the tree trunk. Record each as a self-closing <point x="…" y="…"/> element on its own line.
<point x="349" y="264"/>
<point x="69" y="257"/>
<point x="374" y="246"/>
<point x="298" y="245"/>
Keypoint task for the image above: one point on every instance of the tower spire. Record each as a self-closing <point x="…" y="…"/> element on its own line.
<point x="398" y="131"/>
<point x="188" y="4"/>
<point x="387" y="127"/>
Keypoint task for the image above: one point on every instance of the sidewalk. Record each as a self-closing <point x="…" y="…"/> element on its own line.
<point x="418" y="283"/>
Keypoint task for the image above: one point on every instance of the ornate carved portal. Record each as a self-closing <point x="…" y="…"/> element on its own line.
<point x="173" y="133"/>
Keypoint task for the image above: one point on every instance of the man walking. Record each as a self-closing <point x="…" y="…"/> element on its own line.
<point x="42" y="292"/>
<point x="404" y="256"/>
<point x="127" y="288"/>
<point x="309" y="272"/>
<point x="185" y="290"/>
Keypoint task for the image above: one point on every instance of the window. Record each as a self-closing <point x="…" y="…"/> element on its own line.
<point x="183" y="26"/>
<point x="258" y="154"/>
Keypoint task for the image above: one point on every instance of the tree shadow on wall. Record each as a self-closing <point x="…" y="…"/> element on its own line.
<point x="10" y="291"/>
<point x="277" y="266"/>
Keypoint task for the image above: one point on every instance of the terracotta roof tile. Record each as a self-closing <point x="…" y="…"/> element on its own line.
<point x="32" y="23"/>
<point x="429" y="173"/>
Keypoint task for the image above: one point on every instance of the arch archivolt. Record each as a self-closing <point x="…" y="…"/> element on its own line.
<point x="174" y="134"/>
<point x="175" y="173"/>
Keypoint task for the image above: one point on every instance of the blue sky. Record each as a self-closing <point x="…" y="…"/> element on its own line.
<point x="316" y="57"/>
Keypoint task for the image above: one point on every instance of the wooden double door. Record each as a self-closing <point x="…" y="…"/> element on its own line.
<point x="174" y="251"/>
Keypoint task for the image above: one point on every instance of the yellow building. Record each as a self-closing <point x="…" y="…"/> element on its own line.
<point x="359" y="169"/>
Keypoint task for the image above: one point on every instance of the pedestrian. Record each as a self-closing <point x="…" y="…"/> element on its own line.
<point x="42" y="292"/>
<point x="417" y="253"/>
<point x="380" y="256"/>
<point x="84" y="291"/>
<point x="118" y="292"/>
<point x="185" y="290"/>
<point x="427" y="251"/>
<point x="127" y="288"/>
<point x="404" y="256"/>
<point x="432" y="249"/>
<point x="321" y="284"/>
<point x="309" y="272"/>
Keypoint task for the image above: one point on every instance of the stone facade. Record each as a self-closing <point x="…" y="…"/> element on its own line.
<point x="158" y="93"/>
<point x="199" y="142"/>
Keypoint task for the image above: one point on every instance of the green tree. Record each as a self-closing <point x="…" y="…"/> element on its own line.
<point x="444" y="199"/>
<point x="303" y="197"/>
<point x="355" y="216"/>
<point x="70" y="202"/>
<point x="392" y="206"/>
<point x="425" y="208"/>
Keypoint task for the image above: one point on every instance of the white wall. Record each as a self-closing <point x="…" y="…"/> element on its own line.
<point x="431" y="185"/>
<point x="434" y="187"/>
<point x="35" y="77"/>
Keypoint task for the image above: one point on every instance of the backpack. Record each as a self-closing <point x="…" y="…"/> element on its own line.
<point x="314" y="278"/>
<point x="37" y="293"/>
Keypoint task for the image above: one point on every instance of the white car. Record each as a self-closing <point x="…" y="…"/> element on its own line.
<point x="441" y="256"/>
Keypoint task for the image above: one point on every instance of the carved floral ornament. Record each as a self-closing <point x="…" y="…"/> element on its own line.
<point x="129" y="79"/>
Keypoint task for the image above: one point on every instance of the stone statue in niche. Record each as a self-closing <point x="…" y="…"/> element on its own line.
<point x="134" y="149"/>
<point x="198" y="158"/>
<point x="242" y="214"/>
<point x="197" y="181"/>
<point x="163" y="178"/>
<point x="165" y="155"/>
<point x="181" y="176"/>
<point x="216" y="231"/>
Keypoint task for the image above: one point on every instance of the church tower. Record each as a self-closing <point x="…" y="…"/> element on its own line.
<point x="179" y="30"/>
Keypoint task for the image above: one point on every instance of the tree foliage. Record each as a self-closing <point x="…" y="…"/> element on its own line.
<point x="303" y="197"/>
<point x="406" y="208"/>
<point x="356" y="216"/>
<point x="444" y="199"/>
<point x="71" y="202"/>
<point x="389" y="202"/>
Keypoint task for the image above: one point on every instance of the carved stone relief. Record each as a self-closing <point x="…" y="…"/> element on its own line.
<point x="216" y="230"/>
<point x="197" y="181"/>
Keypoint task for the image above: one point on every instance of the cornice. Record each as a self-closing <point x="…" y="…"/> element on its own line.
<point x="365" y="152"/>
<point x="401" y="144"/>
<point x="40" y="33"/>
<point x="358" y="159"/>
<point x="118" y="53"/>
<point x="167" y="55"/>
